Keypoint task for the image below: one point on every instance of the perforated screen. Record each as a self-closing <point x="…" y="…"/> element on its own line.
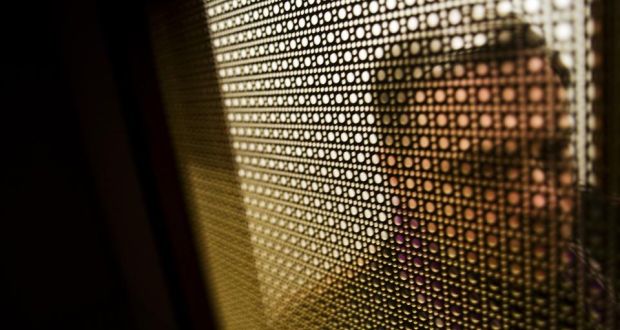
<point x="392" y="164"/>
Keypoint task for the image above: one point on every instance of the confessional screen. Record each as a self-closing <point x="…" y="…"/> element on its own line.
<point x="396" y="164"/>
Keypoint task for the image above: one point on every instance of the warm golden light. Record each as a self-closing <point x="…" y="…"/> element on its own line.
<point x="392" y="164"/>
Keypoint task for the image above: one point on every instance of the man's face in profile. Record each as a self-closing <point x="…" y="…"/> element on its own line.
<point x="475" y="135"/>
<point x="474" y="153"/>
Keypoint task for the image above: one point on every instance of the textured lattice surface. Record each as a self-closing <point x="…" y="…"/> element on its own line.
<point x="391" y="164"/>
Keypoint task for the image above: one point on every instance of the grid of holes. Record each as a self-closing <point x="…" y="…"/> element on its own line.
<point x="405" y="164"/>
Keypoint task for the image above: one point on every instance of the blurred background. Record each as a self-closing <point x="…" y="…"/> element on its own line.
<point x="84" y="238"/>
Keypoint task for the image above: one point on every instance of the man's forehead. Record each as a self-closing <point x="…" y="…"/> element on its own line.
<point x="481" y="27"/>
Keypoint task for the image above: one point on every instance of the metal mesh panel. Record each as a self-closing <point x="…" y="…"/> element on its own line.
<point x="393" y="164"/>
